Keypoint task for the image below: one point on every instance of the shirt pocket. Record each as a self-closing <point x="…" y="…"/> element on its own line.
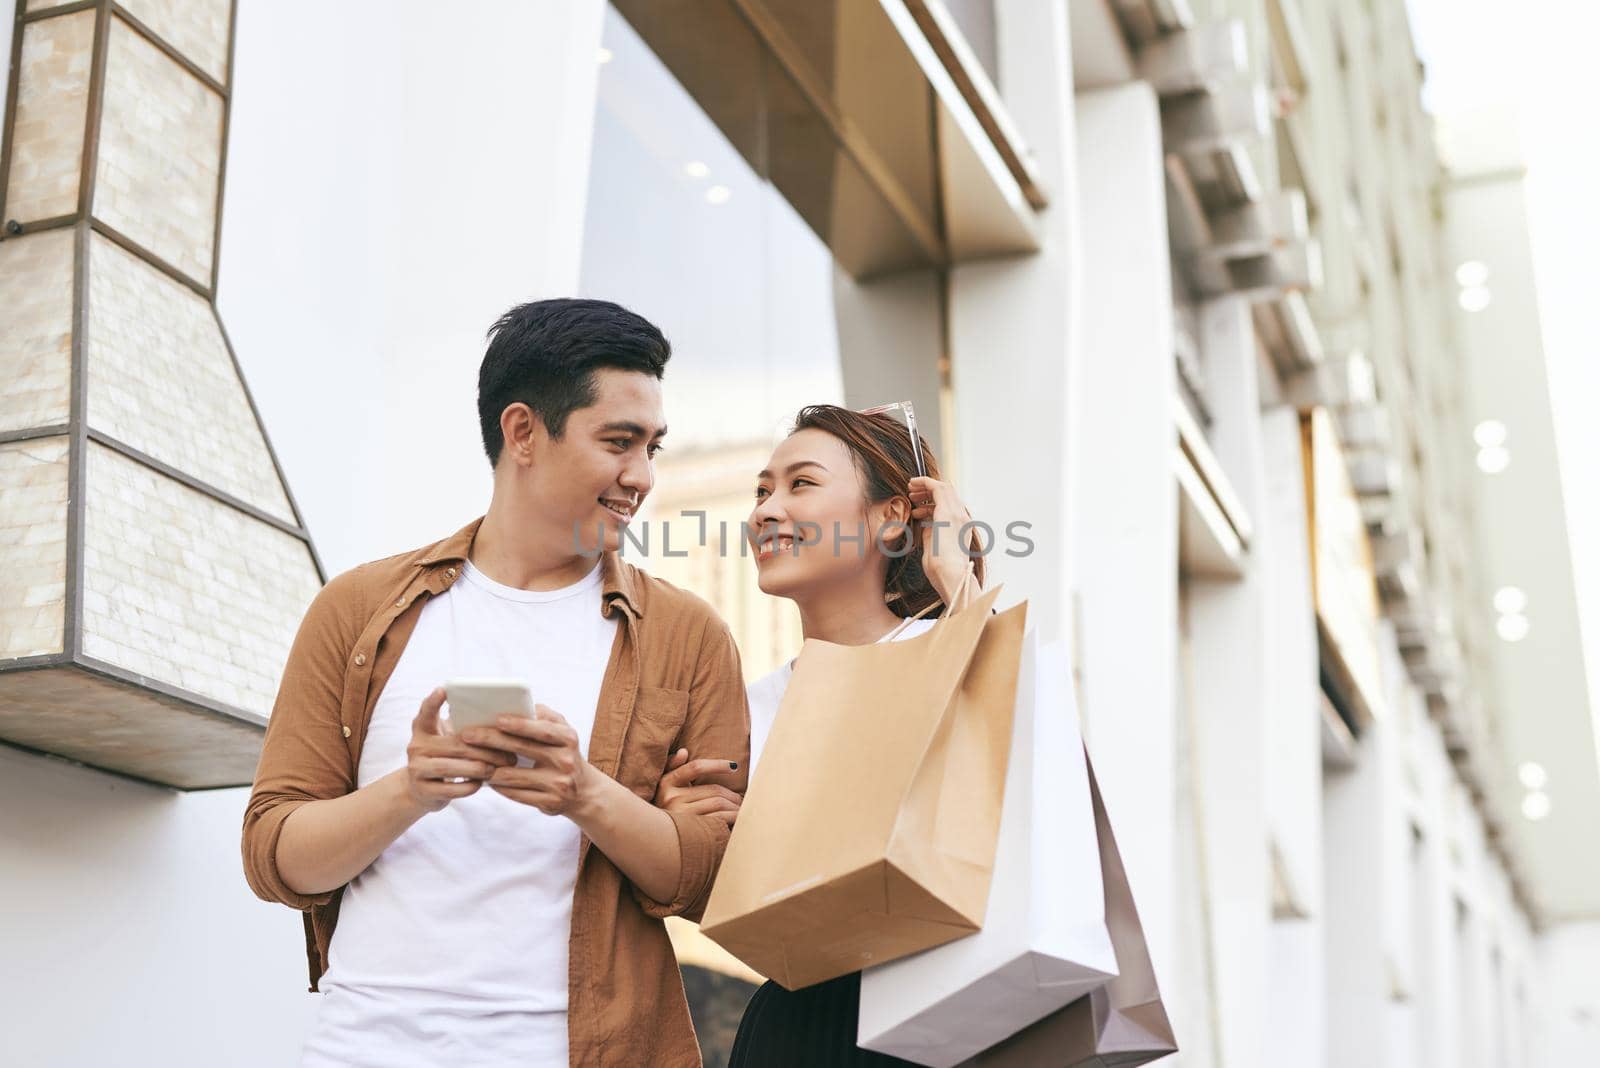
<point x="658" y="716"/>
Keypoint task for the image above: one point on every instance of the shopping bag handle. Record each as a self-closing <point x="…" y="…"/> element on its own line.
<point x="965" y="594"/>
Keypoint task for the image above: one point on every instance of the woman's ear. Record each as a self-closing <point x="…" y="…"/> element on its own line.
<point x="895" y="521"/>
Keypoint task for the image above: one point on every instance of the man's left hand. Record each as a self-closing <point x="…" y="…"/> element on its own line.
<point x="559" y="781"/>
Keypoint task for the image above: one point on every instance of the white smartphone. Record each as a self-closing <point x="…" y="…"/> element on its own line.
<point x="479" y="702"/>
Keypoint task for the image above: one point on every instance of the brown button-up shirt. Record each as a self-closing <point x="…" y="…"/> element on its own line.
<point x="673" y="680"/>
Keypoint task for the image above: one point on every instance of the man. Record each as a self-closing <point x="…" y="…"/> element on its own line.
<point x="518" y="924"/>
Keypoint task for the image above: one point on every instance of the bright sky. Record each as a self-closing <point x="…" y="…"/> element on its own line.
<point x="1524" y="69"/>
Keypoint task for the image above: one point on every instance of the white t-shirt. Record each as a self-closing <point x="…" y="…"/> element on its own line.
<point x="451" y="947"/>
<point x="766" y="693"/>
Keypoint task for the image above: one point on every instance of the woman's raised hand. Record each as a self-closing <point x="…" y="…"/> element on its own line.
<point x="937" y="511"/>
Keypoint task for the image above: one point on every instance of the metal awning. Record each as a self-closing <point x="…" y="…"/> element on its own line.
<point x="871" y="117"/>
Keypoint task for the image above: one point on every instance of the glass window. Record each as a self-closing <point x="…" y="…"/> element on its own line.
<point x="976" y="18"/>
<point x="680" y="229"/>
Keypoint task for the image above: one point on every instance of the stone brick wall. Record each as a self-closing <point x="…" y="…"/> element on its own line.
<point x="52" y="102"/>
<point x="33" y="544"/>
<point x="177" y="587"/>
<point x="161" y="380"/>
<point x="35" y="330"/>
<point x="160" y="154"/>
<point x="197" y="28"/>
<point x="184" y="589"/>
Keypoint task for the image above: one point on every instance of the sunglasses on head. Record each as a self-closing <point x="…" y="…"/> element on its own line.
<point x="911" y="428"/>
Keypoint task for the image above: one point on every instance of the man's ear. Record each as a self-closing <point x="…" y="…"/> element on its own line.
<point x="523" y="433"/>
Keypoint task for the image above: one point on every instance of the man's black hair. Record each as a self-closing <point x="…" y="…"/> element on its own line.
<point x="544" y="354"/>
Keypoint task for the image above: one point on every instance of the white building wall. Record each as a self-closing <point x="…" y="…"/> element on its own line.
<point x="130" y="934"/>
<point x="1013" y="335"/>
<point x="1566" y="1014"/>
<point x="1124" y="522"/>
<point x="1353" y="809"/>
<point x="397" y="178"/>
<point x="1295" y="1011"/>
<point x="1228" y="703"/>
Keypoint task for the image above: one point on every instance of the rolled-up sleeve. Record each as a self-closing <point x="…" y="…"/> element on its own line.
<point x="717" y="723"/>
<point x="304" y="756"/>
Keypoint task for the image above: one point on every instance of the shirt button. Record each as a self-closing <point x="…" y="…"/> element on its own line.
<point x="361" y="658"/>
<point x="450" y="574"/>
<point x="401" y="603"/>
<point x="347" y="732"/>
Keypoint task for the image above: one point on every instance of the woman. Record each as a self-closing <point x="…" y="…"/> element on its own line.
<point x="840" y="475"/>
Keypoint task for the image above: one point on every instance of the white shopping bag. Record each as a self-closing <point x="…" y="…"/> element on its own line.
<point x="1044" y="941"/>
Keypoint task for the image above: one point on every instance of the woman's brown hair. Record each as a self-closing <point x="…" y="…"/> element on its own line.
<point x="882" y="450"/>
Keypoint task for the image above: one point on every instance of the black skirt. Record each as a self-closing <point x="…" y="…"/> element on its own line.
<point x="810" y="1028"/>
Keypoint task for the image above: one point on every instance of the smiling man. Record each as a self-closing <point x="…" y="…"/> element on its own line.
<point x="492" y="910"/>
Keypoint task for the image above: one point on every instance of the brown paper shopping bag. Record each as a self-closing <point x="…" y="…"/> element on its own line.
<point x="869" y="832"/>
<point x="1121" y="1024"/>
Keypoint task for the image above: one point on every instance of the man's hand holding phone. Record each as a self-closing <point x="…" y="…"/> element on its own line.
<point x="554" y="777"/>
<point x="440" y="766"/>
<point x="548" y="771"/>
